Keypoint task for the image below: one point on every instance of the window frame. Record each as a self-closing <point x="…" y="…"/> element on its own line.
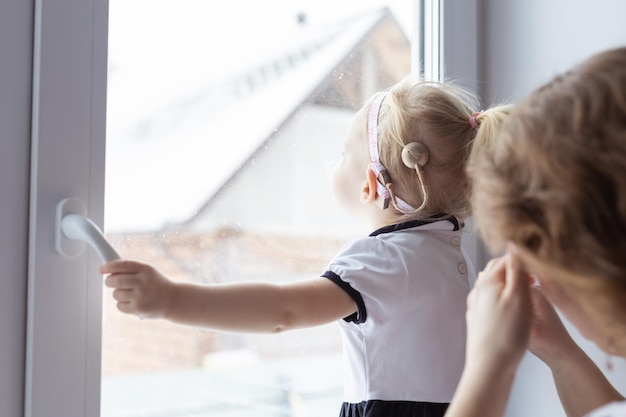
<point x="15" y="85"/>
<point x="62" y="372"/>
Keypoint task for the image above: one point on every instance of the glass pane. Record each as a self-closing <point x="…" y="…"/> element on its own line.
<point x="222" y="121"/>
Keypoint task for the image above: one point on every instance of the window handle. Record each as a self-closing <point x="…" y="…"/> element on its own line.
<point x="74" y="229"/>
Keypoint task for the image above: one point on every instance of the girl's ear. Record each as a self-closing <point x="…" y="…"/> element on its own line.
<point x="368" y="193"/>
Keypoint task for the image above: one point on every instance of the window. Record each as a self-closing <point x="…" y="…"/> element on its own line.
<point x="65" y="317"/>
<point x="217" y="151"/>
<point x="429" y="49"/>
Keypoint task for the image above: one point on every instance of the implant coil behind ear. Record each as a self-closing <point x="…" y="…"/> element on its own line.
<point x="415" y="154"/>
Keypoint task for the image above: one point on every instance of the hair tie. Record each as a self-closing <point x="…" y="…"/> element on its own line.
<point x="473" y="122"/>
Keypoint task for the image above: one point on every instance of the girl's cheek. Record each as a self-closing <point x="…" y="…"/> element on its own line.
<point x="341" y="187"/>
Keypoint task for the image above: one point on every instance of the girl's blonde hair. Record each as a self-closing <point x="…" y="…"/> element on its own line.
<point x="437" y="115"/>
<point x="554" y="183"/>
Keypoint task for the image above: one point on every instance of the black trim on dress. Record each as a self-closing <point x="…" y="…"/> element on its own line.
<point x="361" y="314"/>
<point x="380" y="408"/>
<point x="416" y="223"/>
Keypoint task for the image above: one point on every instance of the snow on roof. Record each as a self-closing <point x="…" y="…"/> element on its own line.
<point x="184" y="114"/>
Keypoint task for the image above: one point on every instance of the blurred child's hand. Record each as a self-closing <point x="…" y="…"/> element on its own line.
<point x="550" y="341"/>
<point x="139" y="288"/>
<point x="499" y="314"/>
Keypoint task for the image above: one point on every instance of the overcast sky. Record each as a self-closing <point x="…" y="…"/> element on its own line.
<point x="270" y="14"/>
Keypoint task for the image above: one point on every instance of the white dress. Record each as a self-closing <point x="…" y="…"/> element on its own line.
<point x="404" y="348"/>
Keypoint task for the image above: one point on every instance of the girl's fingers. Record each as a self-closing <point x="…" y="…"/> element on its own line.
<point x="121" y="266"/>
<point x="121" y="281"/>
<point x="116" y="281"/>
<point x="123" y="295"/>
<point x="112" y="281"/>
<point x="493" y="272"/>
<point x="125" y="307"/>
<point x="112" y="267"/>
<point x="516" y="278"/>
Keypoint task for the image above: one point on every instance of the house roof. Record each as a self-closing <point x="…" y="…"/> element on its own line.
<point x="185" y="109"/>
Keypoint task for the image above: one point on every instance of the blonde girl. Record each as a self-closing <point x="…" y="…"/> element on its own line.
<point x="397" y="294"/>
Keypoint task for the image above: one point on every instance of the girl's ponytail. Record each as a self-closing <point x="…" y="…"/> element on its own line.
<point x="487" y="124"/>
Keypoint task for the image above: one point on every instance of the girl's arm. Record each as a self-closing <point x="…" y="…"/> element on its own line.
<point x="498" y="330"/>
<point x="244" y="307"/>
<point x="505" y="315"/>
<point x="582" y="387"/>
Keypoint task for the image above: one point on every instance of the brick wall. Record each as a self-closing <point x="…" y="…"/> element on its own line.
<point x="134" y="345"/>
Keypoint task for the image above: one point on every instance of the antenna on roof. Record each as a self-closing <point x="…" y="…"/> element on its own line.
<point x="301" y="18"/>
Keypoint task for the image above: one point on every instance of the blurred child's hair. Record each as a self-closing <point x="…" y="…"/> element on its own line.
<point x="438" y="115"/>
<point x="555" y="182"/>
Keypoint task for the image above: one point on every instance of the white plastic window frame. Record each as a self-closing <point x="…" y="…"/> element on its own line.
<point x="15" y="97"/>
<point x="63" y="345"/>
<point x="445" y="41"/>
<point x="427" y="40"/>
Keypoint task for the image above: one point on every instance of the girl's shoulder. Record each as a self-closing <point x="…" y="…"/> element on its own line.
<point x="614" y="409"/>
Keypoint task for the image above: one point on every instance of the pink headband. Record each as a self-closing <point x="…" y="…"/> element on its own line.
<point x="473" y="120"/>
<point x="375" y="165"/>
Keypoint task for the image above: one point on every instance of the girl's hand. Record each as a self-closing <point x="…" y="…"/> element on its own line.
<point x="499" y="315"/>
<point x="549" y="339"/>
<point x="139" y="288"/>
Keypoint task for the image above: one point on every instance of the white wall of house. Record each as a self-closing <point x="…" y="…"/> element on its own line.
<point x="524" y="44"/>
<point x="286" y="187"/>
